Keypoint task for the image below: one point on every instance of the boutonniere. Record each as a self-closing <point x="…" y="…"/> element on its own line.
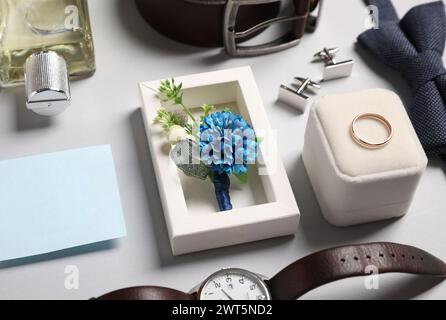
<point x="213" y="144"/>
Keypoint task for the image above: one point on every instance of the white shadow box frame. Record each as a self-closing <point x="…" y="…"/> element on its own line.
<point x="264" y="208"/>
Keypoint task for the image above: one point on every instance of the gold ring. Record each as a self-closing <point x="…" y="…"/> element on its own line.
<point x="363" y="142"/>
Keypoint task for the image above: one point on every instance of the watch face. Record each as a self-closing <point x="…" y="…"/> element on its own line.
<point x="234" y="284"/>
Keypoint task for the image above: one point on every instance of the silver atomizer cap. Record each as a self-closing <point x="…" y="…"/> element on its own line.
<point x="47" y="84"/>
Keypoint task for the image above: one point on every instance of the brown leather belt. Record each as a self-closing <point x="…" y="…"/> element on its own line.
<point x="216" y="23"/>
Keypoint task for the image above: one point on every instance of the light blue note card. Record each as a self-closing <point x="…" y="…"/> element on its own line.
<point x="58" y="201"/>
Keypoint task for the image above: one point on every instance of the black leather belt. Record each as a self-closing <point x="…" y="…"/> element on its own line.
<point x="216" y="23"/>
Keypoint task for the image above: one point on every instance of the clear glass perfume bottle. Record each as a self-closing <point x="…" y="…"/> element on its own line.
<point x="43" y="44"/>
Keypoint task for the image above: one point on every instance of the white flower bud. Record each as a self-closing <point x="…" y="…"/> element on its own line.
<point x="176" y="133"/>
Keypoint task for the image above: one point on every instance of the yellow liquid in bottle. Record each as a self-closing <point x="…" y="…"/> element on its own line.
<point x="28" y="26"/>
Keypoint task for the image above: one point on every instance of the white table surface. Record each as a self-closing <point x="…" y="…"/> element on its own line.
<point x="105" y="110"/>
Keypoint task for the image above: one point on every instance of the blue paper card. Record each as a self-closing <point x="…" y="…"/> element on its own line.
<point x="58" y="201"/>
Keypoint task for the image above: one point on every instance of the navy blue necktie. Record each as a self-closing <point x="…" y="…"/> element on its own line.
<point x="414" y="47"/>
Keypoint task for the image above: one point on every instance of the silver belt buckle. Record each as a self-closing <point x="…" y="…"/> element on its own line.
<point x="230" y="35"/>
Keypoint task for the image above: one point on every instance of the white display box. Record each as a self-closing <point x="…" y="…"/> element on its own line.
<point x="264" y="208"/>
<point x="356" y="185"/>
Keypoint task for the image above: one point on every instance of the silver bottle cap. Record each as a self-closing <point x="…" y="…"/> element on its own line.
<point x="46" y="83"/>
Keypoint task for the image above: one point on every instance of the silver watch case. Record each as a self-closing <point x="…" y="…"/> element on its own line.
<point x="260" y="279"/>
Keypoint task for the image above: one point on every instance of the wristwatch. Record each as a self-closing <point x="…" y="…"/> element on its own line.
<point x="216" y="23"/>
<point x="299" y="277"/>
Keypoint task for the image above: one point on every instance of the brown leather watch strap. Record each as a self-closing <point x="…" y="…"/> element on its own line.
<point x="338" y="263"/>
<point x="200" y="22"/>
<point x="147" y="293"/>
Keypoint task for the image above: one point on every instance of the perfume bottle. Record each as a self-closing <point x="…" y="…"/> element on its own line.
<point x="44" y="44"/>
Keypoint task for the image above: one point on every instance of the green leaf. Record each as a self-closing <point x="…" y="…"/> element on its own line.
<point x="174" y="94"/>
<point x="211" y="176"/>
<point x="188" y="129"/>
<point x="207" y="109"/>
<point x="168" y="119"/>
<point x="243" y="178"/>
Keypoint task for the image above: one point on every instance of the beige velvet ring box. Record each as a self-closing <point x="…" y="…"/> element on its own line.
<point x="354" y="184"/>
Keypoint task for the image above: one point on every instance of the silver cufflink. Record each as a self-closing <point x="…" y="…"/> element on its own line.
<point x="297" y="98"/>
<point x="334" y="70"/>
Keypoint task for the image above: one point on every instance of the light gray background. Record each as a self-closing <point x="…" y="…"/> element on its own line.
<point x="105" y="111"/>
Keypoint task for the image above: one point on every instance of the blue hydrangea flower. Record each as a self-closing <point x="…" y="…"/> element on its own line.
<point x="227" y="143"/>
